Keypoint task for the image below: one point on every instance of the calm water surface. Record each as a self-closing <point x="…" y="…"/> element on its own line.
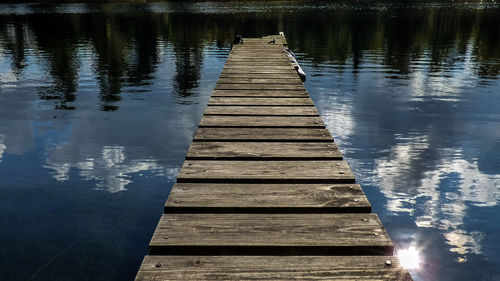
<point x="98" y="104"/>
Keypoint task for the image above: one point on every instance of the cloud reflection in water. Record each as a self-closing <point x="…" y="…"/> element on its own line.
<point x="447" y="189"/>
<point x="2" y="146"/>
<point x="425" y="135"/>
<point x="111" y="170"/>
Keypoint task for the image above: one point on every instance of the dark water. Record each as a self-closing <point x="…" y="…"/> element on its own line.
<point x="98" y="104"/>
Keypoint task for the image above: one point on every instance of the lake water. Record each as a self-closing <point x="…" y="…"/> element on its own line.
<point x="98" y="105"/>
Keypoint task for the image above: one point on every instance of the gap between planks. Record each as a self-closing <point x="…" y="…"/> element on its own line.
<point x="263" y="135"/>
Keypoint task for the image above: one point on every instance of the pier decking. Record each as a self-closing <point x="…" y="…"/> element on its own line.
<point x="264" y="193"/>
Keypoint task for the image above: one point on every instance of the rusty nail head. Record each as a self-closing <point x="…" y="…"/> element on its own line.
<point x="158" y="265"/>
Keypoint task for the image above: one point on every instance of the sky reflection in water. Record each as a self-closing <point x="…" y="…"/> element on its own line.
<point x="425" y="135"/>
<point x="95" y="119"/>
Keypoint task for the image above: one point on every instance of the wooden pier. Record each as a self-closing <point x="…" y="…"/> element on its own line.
<point x="264" y="193"/>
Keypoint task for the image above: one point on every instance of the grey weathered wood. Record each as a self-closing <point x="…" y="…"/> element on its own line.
<point x="265" y="39"/>
<point x="261" y="61"/>
<point x="246" y="64"/>
<point x="261" y="121"/>
<point x="291" y="81"/>
<point x="266" y="198"/>
<point x="257" y="57"/>
<point x="280" y="76"/>
<point x="275" y="54"/>
<point x="260" y="101"/>
<point x="264" y="50"/>
<point x="261" y="110"/>
<point x="263" y="151"/>
<point x="259" y="93"/>
<point x="259" y="71"/>
<point x="248" y="47"/>
<point x="258" y="171"/>
<point x="256" y="47"/>
<point x="261" y="55"/>
<point x="263" y="178"/>
<point x="263" y="134"/>
<point x="270" y="234"/>
<point x="283" y="87"/>
<point x="320" y="268"/>
<point x="264" y="67"/>
<point x="271" y="63"/>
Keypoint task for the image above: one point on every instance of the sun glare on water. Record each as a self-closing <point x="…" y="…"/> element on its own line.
<point x="409" y="258"/>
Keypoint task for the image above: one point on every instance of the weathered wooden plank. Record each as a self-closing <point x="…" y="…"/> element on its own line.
<point x="282" y="60"/>
<point x="261" y="60"/>
<point x="263" y="51"/>
<point x="261" y="121"/>
<point x="263" y="151"/>
<point x="257" y="55"/>
<point x="249" y="110"/>
<point x="282" y="76"/>
<point x="257" y="48"/>
<point x="232" y="80"/>
<point x="320" y="268"/>
<point x="259" y="70"/>
<point x="261" y="42"/>
<point x="266" y="198"/>
<point x="261" y="45"/>
<point x="250" y="42"/>
<point x="270" y="234"/>
<point x="263" y="134"/>
<point x="278" y="39"/>
<point x="282" y="87"/>
<point x="276" y="53"/>
<point x="260" y="101"/>
<point x="257" y="64"/>
<point x="272" y="67"/>
<point x="257" y="171"/>
<point x="265" y="39"/>
<point x="257" y="45"/>
<point x="262" y="68"/>
<point x="259" y="93"/>
<point x="250" y="57"/>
